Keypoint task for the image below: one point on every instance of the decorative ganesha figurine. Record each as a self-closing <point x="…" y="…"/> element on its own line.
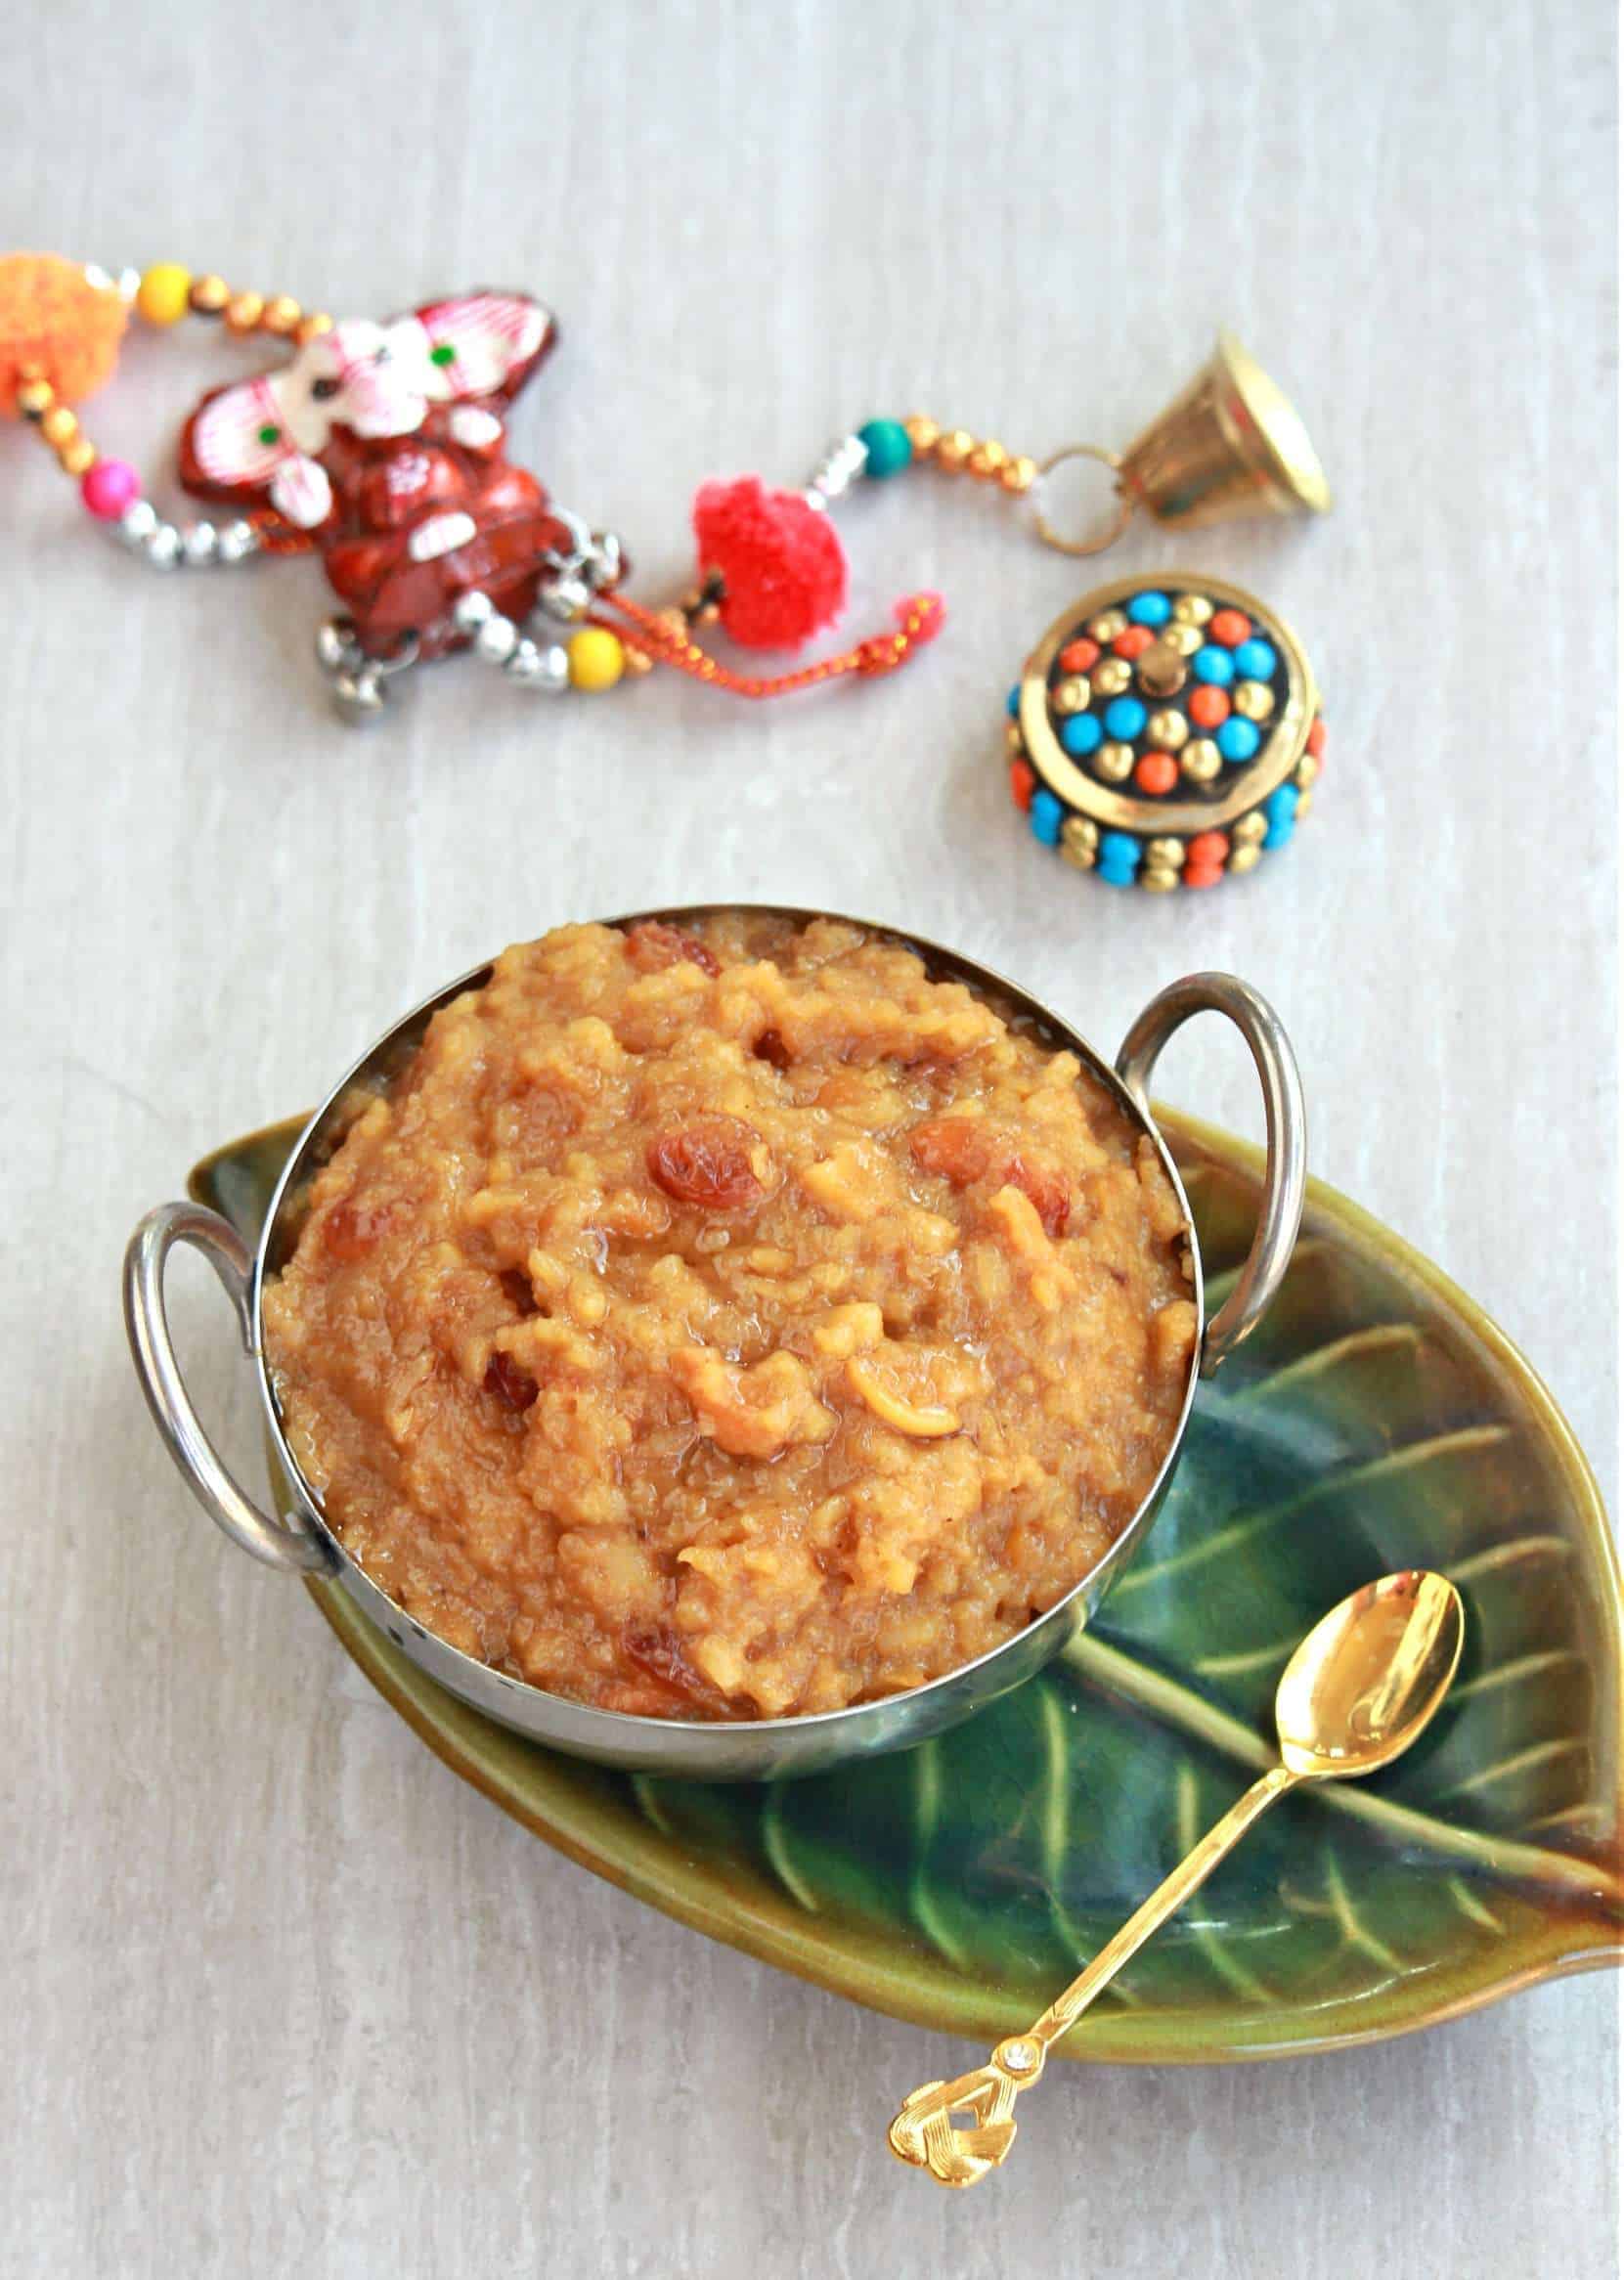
<point x="382" y="446"/>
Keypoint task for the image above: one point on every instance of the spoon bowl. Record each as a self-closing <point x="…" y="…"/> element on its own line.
<point x="1369" y="1677"/>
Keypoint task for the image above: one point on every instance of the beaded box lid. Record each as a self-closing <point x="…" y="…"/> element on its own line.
<point x="1166" y="732"/>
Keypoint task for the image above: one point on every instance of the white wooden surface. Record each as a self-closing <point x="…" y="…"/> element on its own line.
<point x="279" y="1994"/>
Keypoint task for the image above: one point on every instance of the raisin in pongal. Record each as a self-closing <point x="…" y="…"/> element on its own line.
<point x="732" y="1322"/>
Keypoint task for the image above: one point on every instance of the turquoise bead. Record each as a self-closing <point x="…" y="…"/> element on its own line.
<point x="1214" y="665"/>
<point x="1044" y="815"/>
<point x="1281" y="810"/>
<point x="887" y="444"/>
<point x="1119" y="850"/>
<point x="1082" y="734"/>
<point x="1150" y="609"/>
<point x="1237" y="739"/>
<point x="1256" y="661"/>
<point x="1124" y="717"/>
<point x="1012" y="703"/>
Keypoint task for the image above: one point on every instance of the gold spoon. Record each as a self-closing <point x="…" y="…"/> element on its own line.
<point x="1355" y="1695"/>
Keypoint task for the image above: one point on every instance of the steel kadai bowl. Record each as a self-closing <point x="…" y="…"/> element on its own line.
<point x="762" y="1750"/>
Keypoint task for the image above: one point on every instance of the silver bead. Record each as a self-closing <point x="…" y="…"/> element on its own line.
<point x="200" y="544"/>
<point x="497" y="640"/>
<point x="336" y="649"/>
<point x="359" y="697"/>
<point x="606" y="563"/>
<point x="838" y="470"/>
<point x="237" y="542"/>
<point x="544" y="669"/>
<point x="470" y="611"/>
<point x="163" y="549"/>
<point x="125" y="283"/>
<point x="565" y="598"/>
<point x="138" y="522"/>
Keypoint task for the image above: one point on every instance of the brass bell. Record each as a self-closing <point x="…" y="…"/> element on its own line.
<point x="1229" y="445"/>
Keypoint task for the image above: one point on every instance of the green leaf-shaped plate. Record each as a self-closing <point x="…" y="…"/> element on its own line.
<point x="1377" y="1421"/>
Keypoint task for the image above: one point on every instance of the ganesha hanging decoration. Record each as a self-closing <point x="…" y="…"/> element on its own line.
<point x="1164" y="734"/>
<point x="382" y="449"/>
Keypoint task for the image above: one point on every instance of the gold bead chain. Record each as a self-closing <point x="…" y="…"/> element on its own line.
<point x="956" y="452"/>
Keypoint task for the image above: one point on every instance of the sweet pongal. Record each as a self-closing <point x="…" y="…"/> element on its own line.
<point x="732" y="1322"/>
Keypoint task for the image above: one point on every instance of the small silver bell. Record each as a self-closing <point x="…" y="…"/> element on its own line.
<point x="567" y="597"/>
<point x="358" y="696"/>
<point x="336" y="645"/>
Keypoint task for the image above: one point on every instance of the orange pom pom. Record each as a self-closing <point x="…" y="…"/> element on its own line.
<point x="55" y="325"/>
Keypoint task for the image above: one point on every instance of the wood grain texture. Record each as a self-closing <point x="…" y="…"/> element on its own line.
<point x="280" y="1994"/>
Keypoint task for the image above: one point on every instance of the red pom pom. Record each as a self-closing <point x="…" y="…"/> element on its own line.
<point x="779" y="560"/>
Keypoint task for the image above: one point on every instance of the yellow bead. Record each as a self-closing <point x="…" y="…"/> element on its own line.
<point x="1071" y="694"/>
<point x="596" y="658"/>
<point x="1167" y="730"/>
<point x="1166" y="853"/>
<point x="163" y="295"/>
<point x="311" y="327"/>
<point x="243" y="312"/>
<point x="1249" y="829"/>
<point x="282" y="314"/>
<point x="924" y="433"/>
<point x="1186" y="640"/>
<point x="1308" y="772"/>
<point x="1080" y="840"/>
<point x="1245" y="857"/>
<point x="988" y="458"/>
<point x="1191" y="609"/>
<point x="1111" y="676"/>
<point x="79" y="457"/>
<point x="1019" y="475"/>
<point x="60" y="425"/>
<point x="1157" y="880"/>
<point x="1200" y="761"/>
<point x="1114" y="763"/>
<point x="1108" y="625"/>
<point x="35" y="398"/>
<point x="1254" y="700"/>
<point x="1304" y="803"/>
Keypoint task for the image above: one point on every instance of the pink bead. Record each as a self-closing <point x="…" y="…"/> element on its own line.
<point x="108" y="487"/>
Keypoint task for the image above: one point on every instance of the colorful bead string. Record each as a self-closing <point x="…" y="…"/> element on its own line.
<point x="110" y="488"/>
<point x="883" y="448"/>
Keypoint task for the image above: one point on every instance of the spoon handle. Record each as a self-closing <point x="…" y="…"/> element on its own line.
<point x="922" y="2131"/>
<point x="1169" y="1896"/>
